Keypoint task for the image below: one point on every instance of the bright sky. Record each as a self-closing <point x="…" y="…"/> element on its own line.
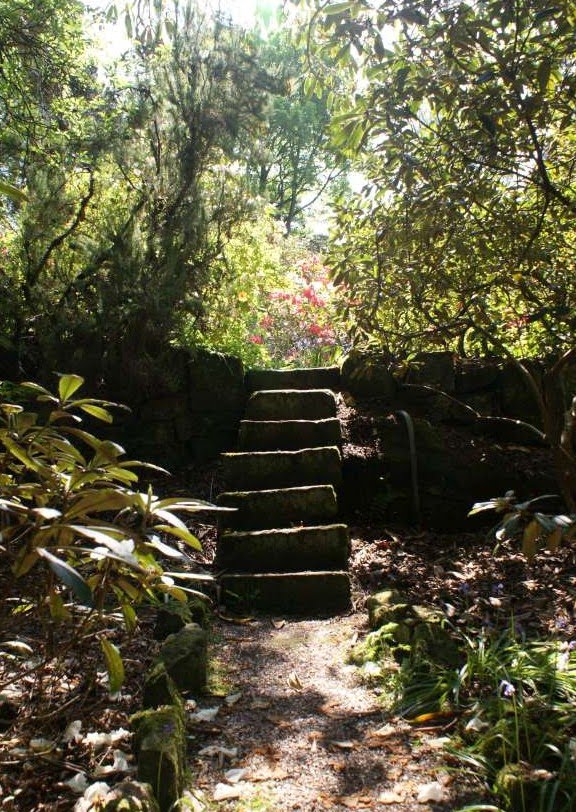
<point x="242" y="12"/>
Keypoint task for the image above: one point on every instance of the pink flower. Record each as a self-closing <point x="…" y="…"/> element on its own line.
<point x="256" y="339"/>
<point x="266" y="322"/>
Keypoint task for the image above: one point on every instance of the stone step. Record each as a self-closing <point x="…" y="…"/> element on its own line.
<point x="287" y="435"/>
<point x="282" y="507"/>
<point x="296" y="593"/>
<point x="312" y="378"/>
<point x="291" y="404"/>
<point x="282" y="469"/>
<point x="288" y="550"/>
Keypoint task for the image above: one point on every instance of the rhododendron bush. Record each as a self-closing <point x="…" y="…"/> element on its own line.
<point x="275" y="304"/>
<point x="299" y="325"/>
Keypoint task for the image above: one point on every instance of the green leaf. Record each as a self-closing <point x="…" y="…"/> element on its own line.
<point x="97" y="412"/>
<point x="182" y="533"/>
<point x="165" y="549"/>
<point x="68" y="384"/>
<point x="114" y="665"/>
<point x="69" y="576"/>
<point x="338" y="8"/>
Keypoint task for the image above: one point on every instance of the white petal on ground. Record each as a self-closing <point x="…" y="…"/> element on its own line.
<point x="430" y="793"/>
<point x="225" y="792"/>
<point x="235" y="775"/>
<point x="72" y="732"/>
<point x="78" y="783"/>
<point x="41" y="745"/>
<point x="205" y="715"/>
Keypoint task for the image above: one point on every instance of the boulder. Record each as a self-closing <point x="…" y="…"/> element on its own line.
<point x="160" y="749"/>
<point x="184" y="655"/>
<point x="159" y="688"/>
<point x="367" y="376"/>
<point x="174" y="615"/>
<point x="435" y="369"/>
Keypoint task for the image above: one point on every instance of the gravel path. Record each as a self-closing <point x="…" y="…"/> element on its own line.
<point x="297" y="728"/>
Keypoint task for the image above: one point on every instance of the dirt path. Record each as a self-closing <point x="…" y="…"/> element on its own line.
<point x="302" y="731"/>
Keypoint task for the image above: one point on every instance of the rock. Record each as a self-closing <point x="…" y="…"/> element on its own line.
<point x="476" y="376"/>
<point x="381" y="605"/>
<point x="160" y="748"/>
<point x="287" y="549"/>
<point x="434" y="405"/>
<point x="309" y="378"/>
<point x="506" y="430"/>
<point x="295" y="593"/>
<point x="291" y="404"/>
<point x="281" y="507"/>
<point x="283" y="469"/>
<point x="518" y="399"/>
<point x="130" y="796"/>
<point x="184" y="654"/>
<point x="216" y="382"/>
<point x="367" y="376"/>
<point x="174" y="615"/>
<point x="288" y="435"/>
<point x="435" y="369"/>
<point x="159" y="688"/>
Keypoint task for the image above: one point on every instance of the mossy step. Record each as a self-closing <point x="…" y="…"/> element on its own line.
<point x="295" y="593"/>
<point x="310" y="378"/>
<point x="287" y="435"/>
<point x="281" y="507"/>
<point x="291" y="404"/>
<point x="323" y="547"/>
<point x="283" y="469"/>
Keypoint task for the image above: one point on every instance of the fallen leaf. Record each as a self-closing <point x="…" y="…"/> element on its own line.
<point x="41" y="745"/>
<point x="232" y="699"/>
<point x="278" y="624"/>
<point x="345" y="745"/>
<point x="216" y="750"/>
<point x="259" y="704"/>
<point x="268" y="773"/>
<point x="238" y="621"/>
<point x="279" y="721"/>
<point x="225" y="792"/>
<point x="294" y="681"/>
<point x="383" y="732"/>
<point x="332" y="709"/>
<point x="355" y="801"/>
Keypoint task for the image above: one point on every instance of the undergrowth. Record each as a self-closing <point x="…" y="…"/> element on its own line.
<point x="514" y="703"/>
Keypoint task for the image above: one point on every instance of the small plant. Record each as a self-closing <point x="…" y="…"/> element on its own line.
<point x="79" y="538"/>
<point x="523" y="521"/>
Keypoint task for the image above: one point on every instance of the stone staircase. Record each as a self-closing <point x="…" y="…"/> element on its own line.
<point x="283" y="549"/>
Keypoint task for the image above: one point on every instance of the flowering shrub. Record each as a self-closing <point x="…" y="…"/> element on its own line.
<point x="299" y="326"/>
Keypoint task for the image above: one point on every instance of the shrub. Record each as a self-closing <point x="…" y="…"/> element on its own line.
<point x="76" y="533"/>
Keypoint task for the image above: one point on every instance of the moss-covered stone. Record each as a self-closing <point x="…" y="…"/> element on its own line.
<point x="160" y="748"/>
<point x="174" y="615"/>
<point x="367" y="376"/>
<point x="288" y="435"/>
<point x="280" y="507"/>
<point x="282" y="469"/>
<point x="512" y="782"/>
<point x="291" y="404"/>
<point x="184" y="655"/>
<point x="130" y="796"/>
<point x="381" y="605"/>
<point x="159" y="688"/>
